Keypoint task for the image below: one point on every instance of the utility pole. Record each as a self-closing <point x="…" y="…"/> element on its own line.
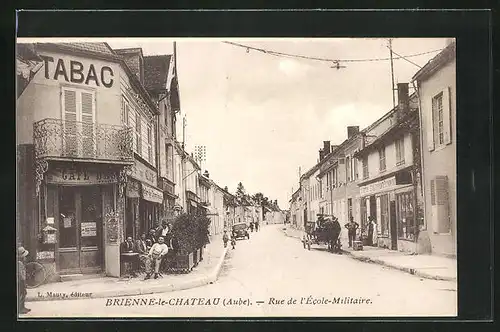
<point x="392" y="74"/>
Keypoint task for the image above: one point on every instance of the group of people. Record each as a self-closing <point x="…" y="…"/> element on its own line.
<point x="152" y="248"/>
<point x="352" y="227"/>
<point x="254" y="224"/>
<point x="226" y="238"/>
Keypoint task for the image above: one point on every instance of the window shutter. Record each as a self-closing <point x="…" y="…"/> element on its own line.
<point x="441" y="195"/>
<point x="88" y="131"/>
<point x="430" y="126"/>
<point x="433" y="192"/>
<point x="70" y="141"/>
<point x="447" y="116"/>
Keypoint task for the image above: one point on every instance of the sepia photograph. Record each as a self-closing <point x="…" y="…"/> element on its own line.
<point x="236" y="177"/>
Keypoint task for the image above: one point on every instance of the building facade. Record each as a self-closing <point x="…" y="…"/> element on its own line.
<point x="436" y="84"/>
<point x="390" y="176"/>
<point x="70" y="131"/>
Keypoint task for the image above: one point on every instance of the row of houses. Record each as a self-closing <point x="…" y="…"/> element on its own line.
<point x="401" y="169"/>
<point x="99" y="158"/>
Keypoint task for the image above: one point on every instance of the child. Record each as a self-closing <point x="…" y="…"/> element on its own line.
<point x="21" y="290"/>
<point x="225" y="238"/>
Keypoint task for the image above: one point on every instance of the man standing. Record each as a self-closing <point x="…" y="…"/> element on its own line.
<point x="163" y="230"/>
<point x="351" y="230"/>
<point x="156" y="253"/>
<point x="21" y="282"/>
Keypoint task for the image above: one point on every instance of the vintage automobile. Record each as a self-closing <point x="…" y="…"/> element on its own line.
<point x="240" y="231"/>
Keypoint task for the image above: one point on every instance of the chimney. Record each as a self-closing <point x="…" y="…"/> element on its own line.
<point x="403" y="99"/>
<point x="326" y="148"/>
<point x="352" y="130"/>
<point x="206" y="174"/>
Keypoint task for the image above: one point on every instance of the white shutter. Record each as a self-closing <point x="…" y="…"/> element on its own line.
<point x="447" y="116"/>
<point x="429" y="124"/>
<point x="88" y="129"/>
<point x="70" y="141"/>
<point x="379" y="216"/>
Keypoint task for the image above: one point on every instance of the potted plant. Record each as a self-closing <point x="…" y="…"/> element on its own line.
<point x="184" y="230"/>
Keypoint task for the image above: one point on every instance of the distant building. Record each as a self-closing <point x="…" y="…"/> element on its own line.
<point x="436" y="83"/>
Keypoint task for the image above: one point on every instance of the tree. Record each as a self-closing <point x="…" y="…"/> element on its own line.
<point x="240" y="190"/>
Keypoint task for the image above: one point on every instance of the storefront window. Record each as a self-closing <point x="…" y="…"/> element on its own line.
<point x="91" y="217"/>
<point x="405" y="215"/>
<point x="384" y="215"/>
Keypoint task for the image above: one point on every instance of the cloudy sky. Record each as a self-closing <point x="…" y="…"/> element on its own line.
<point x="261" y="117"/>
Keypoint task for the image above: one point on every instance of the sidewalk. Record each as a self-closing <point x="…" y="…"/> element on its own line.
<point x="205" y="273"/>
<point x="424" y="266"/>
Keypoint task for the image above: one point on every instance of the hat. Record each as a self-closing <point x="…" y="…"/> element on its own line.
<point x="21" y="252"/>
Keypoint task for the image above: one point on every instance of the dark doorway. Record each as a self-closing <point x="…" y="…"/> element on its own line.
<point x="394" y="230"/>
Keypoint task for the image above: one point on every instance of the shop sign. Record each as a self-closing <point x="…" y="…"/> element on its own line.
<point x="143" y="173"/>
<point x="81" y="176"/>
<point x="89" y="229"/>
<point x="76" y="72"/>
<point x="152" y="194"/>
<point x="377" y="186"/>
<point x="45" y="255"/>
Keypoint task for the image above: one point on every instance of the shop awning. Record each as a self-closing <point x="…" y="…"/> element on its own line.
<point x="152" y="194"/>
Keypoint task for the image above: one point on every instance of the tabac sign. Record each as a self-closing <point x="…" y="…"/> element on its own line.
<point x="76" y="72"/>
<point x="72" y="176"/>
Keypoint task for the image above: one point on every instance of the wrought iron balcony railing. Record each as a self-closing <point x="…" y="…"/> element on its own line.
<point x="56" y="138"/>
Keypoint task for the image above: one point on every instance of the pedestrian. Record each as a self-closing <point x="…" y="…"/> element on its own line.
<point x="233" y="240"/>
<point x="372" y="231"/>
<point x="21" y="280"/>
<point x="256" y="226"/>
<point x="351" y="230"/>
<point x="225" y="238"/>
<point x="251" y="226"/>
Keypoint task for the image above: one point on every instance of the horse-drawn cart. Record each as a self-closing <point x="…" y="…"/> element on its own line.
<point x="323" y="232"/>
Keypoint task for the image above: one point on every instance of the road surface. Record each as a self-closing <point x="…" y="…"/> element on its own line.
<point x="272" y="275"/>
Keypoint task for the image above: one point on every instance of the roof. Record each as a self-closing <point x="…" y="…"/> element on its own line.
<point x="155" y="72"/>
<point x="102" y="48"/>
<point x="436" y="62"/>
<point x="126" y="51"/>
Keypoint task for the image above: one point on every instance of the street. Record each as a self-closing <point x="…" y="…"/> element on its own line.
<point x="289" y="280"/>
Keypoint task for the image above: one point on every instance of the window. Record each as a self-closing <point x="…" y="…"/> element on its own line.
<point x="356" y="175"/>
<point x="381" y="154"/>
<point x="405" y="216"/>
<point x="150" y="143"/>
<point x="348" y="169"/>
<point x="138" y="141"/>
<point x="320" y="190"/>
<point x="400" y="151"/>
<point x="437" y="114"/>
<point x="384" y="215"/>
<point x="349" y="208"/>
<point x="365" y="167"/>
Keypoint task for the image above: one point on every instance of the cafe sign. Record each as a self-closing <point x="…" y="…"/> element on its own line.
<point x="377" y="186"/>
<point x="74" y="176"/>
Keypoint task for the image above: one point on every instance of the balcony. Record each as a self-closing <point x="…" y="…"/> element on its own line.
<point x="61" y="140"/>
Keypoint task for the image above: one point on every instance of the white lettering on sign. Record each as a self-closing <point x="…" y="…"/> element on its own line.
<point x="76" y="72"/>
<point x="45" y="255"/>
<point x="144" y="174"/>
<point x="377" y="186"/>
<point x="81" y="177"/>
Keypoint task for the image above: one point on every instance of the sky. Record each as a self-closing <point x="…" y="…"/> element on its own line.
<point x="261" y="117"/>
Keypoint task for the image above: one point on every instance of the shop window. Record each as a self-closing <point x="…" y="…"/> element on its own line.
<point x="384" y="215"/>
<point x="405" y="215"/>
<point x="67" y="217"/>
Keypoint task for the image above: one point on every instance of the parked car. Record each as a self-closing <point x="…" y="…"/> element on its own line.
<point x="241" y="231"/>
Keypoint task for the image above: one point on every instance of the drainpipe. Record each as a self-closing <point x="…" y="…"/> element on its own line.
<point x="422" y="182"/>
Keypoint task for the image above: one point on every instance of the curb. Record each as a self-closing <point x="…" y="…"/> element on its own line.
<point x="409" y="270"/>
<point x="203" y="280"/>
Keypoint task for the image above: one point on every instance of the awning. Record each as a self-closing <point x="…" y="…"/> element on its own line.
<point x="152" y="194"/>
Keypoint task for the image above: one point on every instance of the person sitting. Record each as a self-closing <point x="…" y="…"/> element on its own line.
<point x="152" y="236"/>
<point x="156" y="254"/>
<point x="142" y="249"/>
<point x="129" y="247"/>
